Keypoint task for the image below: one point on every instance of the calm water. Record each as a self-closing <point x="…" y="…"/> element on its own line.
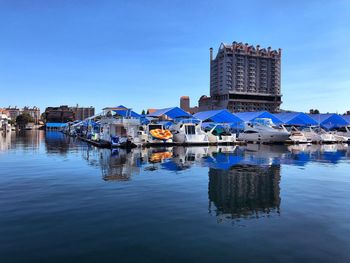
<point x="62" y="200"/>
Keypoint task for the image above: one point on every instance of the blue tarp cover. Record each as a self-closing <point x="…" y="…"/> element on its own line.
<point x="127" y="112"/>
<point x="329" y="120"/>
<point x="346" y="118"/>
<point x="172" y="113"/>
<point x="55" y="125"/>
<point x="296" y="118"/>
<point x="218" y="116"/>
<point x="249" y="116"/>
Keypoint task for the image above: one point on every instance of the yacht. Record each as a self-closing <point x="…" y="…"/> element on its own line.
<point x="311" y="134"/>
<point x="219" y="134"/>
<point x="263" y="130"/>
<point x="326" y="137"/>
<point x="155" y="133"/>
<point x="296" y="136"/>
<point x="189" y="133"/>
<point x="343" y="131"/>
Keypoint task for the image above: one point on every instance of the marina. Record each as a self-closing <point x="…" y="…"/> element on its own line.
<point x="78" y="201"/>
<point x="124" y="128"/>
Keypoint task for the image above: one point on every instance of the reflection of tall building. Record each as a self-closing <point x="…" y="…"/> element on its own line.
<point x="245" y="190"/>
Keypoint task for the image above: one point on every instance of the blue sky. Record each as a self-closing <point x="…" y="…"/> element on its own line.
<point x="146" y="54"/>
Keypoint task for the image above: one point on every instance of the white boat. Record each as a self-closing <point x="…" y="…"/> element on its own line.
<point x="189" y="133"/>
<point x="343" y="131"/>
<point x="219" y="134"/>
<point x="326" y="137"/>
<point x="119" y="131"/>
<point x="311" y="134"/>
<point x="155" y="133"/>
<point x="263" y="130"/>
<point x="296" y="135"/>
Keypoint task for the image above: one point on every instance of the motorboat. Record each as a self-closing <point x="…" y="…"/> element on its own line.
<point x="219" y="134"/>
<point x="263" y="130"/>
<point x="342" y="131"/>
<point x="318" y="135"/>
<point x="326" y="137"/>
<point x="311" y="134"/>
<point x="189" y="133"/>
<point x="296" y="136"/>
<point x="155" y="133"/>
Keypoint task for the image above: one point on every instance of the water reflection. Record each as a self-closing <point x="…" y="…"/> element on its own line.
<point x="244" y="191"/>
<point x="58" y="143"/>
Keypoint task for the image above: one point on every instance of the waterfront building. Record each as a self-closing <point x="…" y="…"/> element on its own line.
<point x="34" y="112"/>
<point x="244" y="78"/>
<point x="13" y="112"/>
<point x="82" y="113"/>
<point x="61" y="114"/>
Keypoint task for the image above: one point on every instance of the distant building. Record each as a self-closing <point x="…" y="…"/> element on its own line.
<point x="63" y="114"/>
<point x="60" y="114"/>
<point x="33" y="112"/>
<point x="82" y="113"/>
<point x="185" y="105"/>
<point x="4" y="112"/>
<point x="13" y="112"/>
<point x="245" y="78"/>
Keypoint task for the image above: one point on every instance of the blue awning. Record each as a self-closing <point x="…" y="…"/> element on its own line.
<point x="250" y="116"/>
<point x="329" y="120"/>
<point x="346" y="118"/>
<point x="296" y="118"/>
<point x="55" y="125"/>
<point x="127" y="112"/>
<point x="172" y="113"/>
<point x="218" y="116"/>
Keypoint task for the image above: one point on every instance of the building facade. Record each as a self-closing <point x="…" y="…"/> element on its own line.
<point x="245" y="78"/>
<point x="63" y="114"/>
<point x="13" y="112"/>
<point x="60" y="114"/>
<point x="185" y="104"/>
<point x="82" y="113"/>
<point x="33" y="112"/>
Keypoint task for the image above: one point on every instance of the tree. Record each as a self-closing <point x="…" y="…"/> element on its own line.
<point x="143" y="112"/>
<point x="23" y="119"/>
<point x="314" y="111"/>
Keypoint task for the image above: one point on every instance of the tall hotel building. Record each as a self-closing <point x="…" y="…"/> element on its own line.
<point x="245" y="78"/>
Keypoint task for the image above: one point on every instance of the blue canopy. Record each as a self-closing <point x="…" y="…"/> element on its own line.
<point x="296" y="118"/>
<point x="329" y="120"/>
<point x="127" y="112"/>
<point x="55" y="125"/>
<point x="346" y="118"/>
<point x="218" y="116"/>
<point x="172" y="113"/>
<point x="250" y="116"/>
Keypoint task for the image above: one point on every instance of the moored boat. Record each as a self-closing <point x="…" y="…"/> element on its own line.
<point x="189" y="133"/>
<point x="263" y="130"/>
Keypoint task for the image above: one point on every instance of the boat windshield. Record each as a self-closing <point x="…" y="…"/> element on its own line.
<point x="154" y="126"/>
<point x="264" y="121"/>
<point x="190" y="129"/>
